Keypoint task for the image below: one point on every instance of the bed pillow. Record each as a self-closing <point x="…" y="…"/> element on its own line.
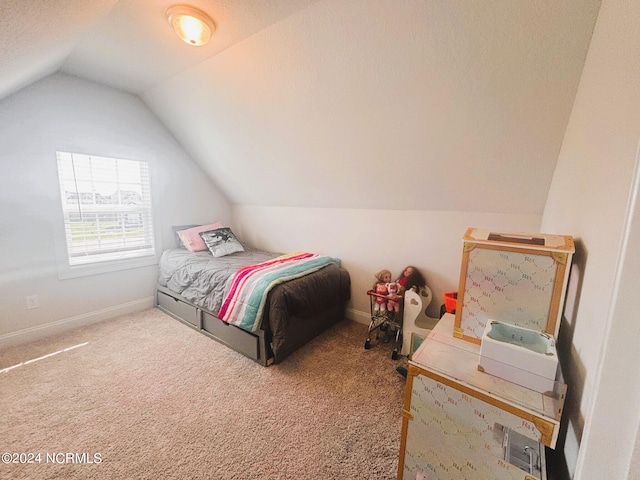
<point x="177" y="228"/>
<point x="191" y="239"/>
<point x="221" y="242"/>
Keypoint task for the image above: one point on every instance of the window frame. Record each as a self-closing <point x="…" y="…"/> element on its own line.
<point x="64" y="267"/>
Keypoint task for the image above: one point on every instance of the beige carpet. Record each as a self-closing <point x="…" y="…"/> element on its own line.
<point x="148" y="397"/>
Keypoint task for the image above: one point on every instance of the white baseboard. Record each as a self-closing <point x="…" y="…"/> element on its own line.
<point x="64" y="324"/>
<point x="358" y="316"/>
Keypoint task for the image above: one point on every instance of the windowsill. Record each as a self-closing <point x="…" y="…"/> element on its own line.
<point x="66" y="271"/>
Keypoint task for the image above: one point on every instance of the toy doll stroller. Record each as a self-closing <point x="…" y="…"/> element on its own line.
<point x="386" y="320"/>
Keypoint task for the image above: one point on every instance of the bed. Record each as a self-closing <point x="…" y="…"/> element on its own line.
<point x="297" y="304"/>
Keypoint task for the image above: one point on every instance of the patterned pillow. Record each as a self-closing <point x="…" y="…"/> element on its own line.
<point x="191" y="240"/>
<point x="221" y="242"/>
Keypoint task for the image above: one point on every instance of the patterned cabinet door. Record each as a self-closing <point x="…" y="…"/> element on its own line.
<point x="517" y="285"/>
<point x="451" y="435"/>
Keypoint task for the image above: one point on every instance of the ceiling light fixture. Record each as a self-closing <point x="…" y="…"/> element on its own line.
<point x="193" y="26"/>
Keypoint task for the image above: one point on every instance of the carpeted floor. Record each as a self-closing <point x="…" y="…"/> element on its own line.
<point x="148" y="397"/>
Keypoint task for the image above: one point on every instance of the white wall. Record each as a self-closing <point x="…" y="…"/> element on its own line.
<point x="369" y="240"/>
<point x="634" y="469"/>
<point x="589" y="198"/>
<point x="64" y="110"/>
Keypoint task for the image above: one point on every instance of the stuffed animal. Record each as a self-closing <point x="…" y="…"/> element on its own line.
<point x="392" y="304"/>
<point x="381" y="303"/>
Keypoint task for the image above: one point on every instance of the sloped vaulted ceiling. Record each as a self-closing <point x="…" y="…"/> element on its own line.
<point x="37" y="36"/>
<point x="418" y="104"/>
<point x="428" y="105"/>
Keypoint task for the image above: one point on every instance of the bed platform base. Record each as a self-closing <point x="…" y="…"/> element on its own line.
<point x="255" y="345"/>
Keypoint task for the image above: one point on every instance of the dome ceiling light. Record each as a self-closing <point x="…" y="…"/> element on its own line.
<point x="193" y="26"/>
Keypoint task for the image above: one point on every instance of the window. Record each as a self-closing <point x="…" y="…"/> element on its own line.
<point x="106" y="204"/>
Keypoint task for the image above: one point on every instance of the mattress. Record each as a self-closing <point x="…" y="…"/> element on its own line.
<point x="200" y="277"/>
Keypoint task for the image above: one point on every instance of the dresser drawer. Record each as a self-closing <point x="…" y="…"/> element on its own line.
<point x="238" y="339"/>
<point x="179" y="309"/>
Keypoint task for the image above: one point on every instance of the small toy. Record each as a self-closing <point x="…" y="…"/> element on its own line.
<point x="383" y="277"/>
<point x="392" y="304"/>
<point x="411" y="278"/>
<point x="386" y="316"/>
<point x="381" y="303"/>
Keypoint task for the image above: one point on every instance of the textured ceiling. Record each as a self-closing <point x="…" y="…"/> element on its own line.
<point x="126" y="44"/>
<point x="37" y="36"/>
<point x="417" y="104"/>
<point x="133" y="48"/>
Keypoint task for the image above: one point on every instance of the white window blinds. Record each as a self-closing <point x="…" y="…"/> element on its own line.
<point x="107" y="208"/>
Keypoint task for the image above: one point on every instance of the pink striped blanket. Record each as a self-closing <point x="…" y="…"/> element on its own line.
<point x="247" y="290"/>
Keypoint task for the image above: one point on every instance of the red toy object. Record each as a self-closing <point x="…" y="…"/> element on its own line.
<point x="450" y="301"/>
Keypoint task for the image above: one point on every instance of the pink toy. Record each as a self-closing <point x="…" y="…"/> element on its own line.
<point x="392" y="304"/>
<point x="383" y="277"/>
<point x="381" y="303"/>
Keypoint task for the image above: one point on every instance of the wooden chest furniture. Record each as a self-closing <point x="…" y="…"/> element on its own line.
<point x="461" y="423"/>
<point x="519" y="279"/>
